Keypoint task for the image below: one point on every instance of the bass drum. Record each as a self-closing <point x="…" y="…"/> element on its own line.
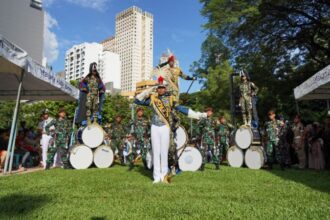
<point x="235" y="156"/>
<point x="91" y="136"/>
<point x="181" y="137"/>
<point x="149" y="161"/>
<point x="81" y="157"/>
<point x="254" y="158"/>
<point x="103" y="156"/>
<point x="243" y="137"/>
<point x="190" y="160"/>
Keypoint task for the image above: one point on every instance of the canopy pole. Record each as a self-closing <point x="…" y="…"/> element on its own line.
<point x="13" y="129"/>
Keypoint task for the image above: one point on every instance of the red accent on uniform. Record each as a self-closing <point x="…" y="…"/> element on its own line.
<point x="160" y="80"/>
<point x="171" y="58"/>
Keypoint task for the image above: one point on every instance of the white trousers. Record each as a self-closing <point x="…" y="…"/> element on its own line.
<point x="44" y="147"/>
<point x="160" y="141"/>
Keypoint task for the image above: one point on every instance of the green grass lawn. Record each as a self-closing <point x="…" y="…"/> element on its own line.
<point x="117" y="193"/>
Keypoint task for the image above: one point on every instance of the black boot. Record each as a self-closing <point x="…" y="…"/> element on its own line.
<point x="202" y="167"/>
<point x="217" y="167"/>
<point x="47" y="166"/>
<point x="282" y="166"/>
<point x="270" y="166"/>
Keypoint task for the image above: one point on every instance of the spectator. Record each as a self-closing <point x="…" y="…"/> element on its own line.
<point x="326" y="139"/>
<point x="21" y="148"/>
<point x="4" y="138"/>
<point x="298" y="141"/>
<point x="315" y="150"/>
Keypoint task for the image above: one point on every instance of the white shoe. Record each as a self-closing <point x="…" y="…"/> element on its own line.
<point x="156" y="181"/>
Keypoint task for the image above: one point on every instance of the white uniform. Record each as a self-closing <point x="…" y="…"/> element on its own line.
<point x="44" y="142"/>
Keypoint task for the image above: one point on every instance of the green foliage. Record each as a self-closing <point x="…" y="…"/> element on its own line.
<point x="116" y="193"/>
<point x="279" y="43"/>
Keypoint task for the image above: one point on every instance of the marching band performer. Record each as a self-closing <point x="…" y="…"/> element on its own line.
<point x="141" y="132"/>
<point x="91" y="97"/>
<point x="247" y="90"/>
<point x="207" y="128"/>
<point x="163" y="104"/>
<point x="172" y="76"/>
<point x="60" y="139"/>
<point x="45" y="138"/>
<point x="222" y="133"/>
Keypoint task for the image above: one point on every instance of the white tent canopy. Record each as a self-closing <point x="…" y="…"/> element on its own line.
<point x="316" y="87"/>
<point x="23" y="78"/>
<point x="39" y="83"/>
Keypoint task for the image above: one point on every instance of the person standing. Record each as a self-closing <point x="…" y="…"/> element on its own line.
<point x="326" y="139"/>
<point x="247" y="90"/>
<point x="117" y="136"/>
<point x="207" y="128"/>
<point x="60" y="139"/>
<point x="172" y="74"/>
<point x="92" y="97"/>
<point x="298" y="141"/>
<point x="44" y="142"/>
<point x="272" y="128"/>
<point x="162" y="104"/>
<point x="223" y="132"/>
<point x="284" y="143"/>
<point x="141" y="132"/>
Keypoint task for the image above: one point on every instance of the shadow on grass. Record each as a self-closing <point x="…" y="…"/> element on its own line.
<point x="16" y="205"/>
<point x="144" y="171"/>
<point x="318" y="180"/>
<point x="98" y="218"/>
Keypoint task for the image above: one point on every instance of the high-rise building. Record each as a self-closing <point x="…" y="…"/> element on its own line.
<point x="109" y="44"/>
<point x="22" y="22"/>
<point x="79" y="57"/>
<point x="134" y="44"/>
<point x="109" y="68"/>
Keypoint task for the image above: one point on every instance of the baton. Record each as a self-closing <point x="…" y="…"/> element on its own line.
<point x="190" y="86"/>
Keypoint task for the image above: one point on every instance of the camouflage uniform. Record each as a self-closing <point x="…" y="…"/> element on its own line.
<point x="272" y="131"/>
<point x="223" y="132"/>
<point x="118" y="134"/>
<point x="207" y="133"/>
<point x="60" y="140"/>
<point x="141" y="132"/>
<point x="173" y="81"/>
<point x="299" y="144"/>
<point x="246" y="90"/>
<point x="92" y="97"/>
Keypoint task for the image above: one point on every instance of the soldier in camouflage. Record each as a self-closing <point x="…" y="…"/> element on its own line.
<point x="117" y="136"/>
<point x="141" y="132"/>
<point x="223" y="132"/>
<point x="272" y="129"/>
<point x="207" y="128"/>
<point x="247" y="90"/>
<point x="285" y="135"/>
<point x="172" y="76"/>
<point x="95" y="89"/>
<point x="60" y="139"/>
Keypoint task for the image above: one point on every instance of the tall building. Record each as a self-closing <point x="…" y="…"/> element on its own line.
<point x="79" y="57"/>
<point x="109" y="68"/>
<point x="109" y="44"/>
<point x="134" y="44"/>
<point x="22" y="22"/>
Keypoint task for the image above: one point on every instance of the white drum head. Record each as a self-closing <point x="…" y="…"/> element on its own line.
<point x="81" y="157"/>
<point x="235" y="156"/>
<point x="149" y="159"/>
<point x="190" y="160"/>
<point x="103" y="157"/>
<point x="254" y="158"/>
<point x="181" y="137"/>
<point x="243" y="137"/>
<point x="93" y="136"/>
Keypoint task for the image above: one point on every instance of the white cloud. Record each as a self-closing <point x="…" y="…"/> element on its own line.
<point x="100" y="5"/>
<point x="51" y="50"/>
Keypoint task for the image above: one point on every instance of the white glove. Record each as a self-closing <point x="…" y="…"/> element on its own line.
<point x="196" y="115"/>
<point x="145" y="94"/>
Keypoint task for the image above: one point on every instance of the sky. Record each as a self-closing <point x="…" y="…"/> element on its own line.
<point x="177" y="26"/>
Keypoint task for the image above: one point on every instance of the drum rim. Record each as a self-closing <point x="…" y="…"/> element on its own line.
<point x="251" y="133"/>
<point x="241" y="152"/>
<point x="81" y="145"/>
<point x="98" y="149"/>
<point x="177" y="149"/>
